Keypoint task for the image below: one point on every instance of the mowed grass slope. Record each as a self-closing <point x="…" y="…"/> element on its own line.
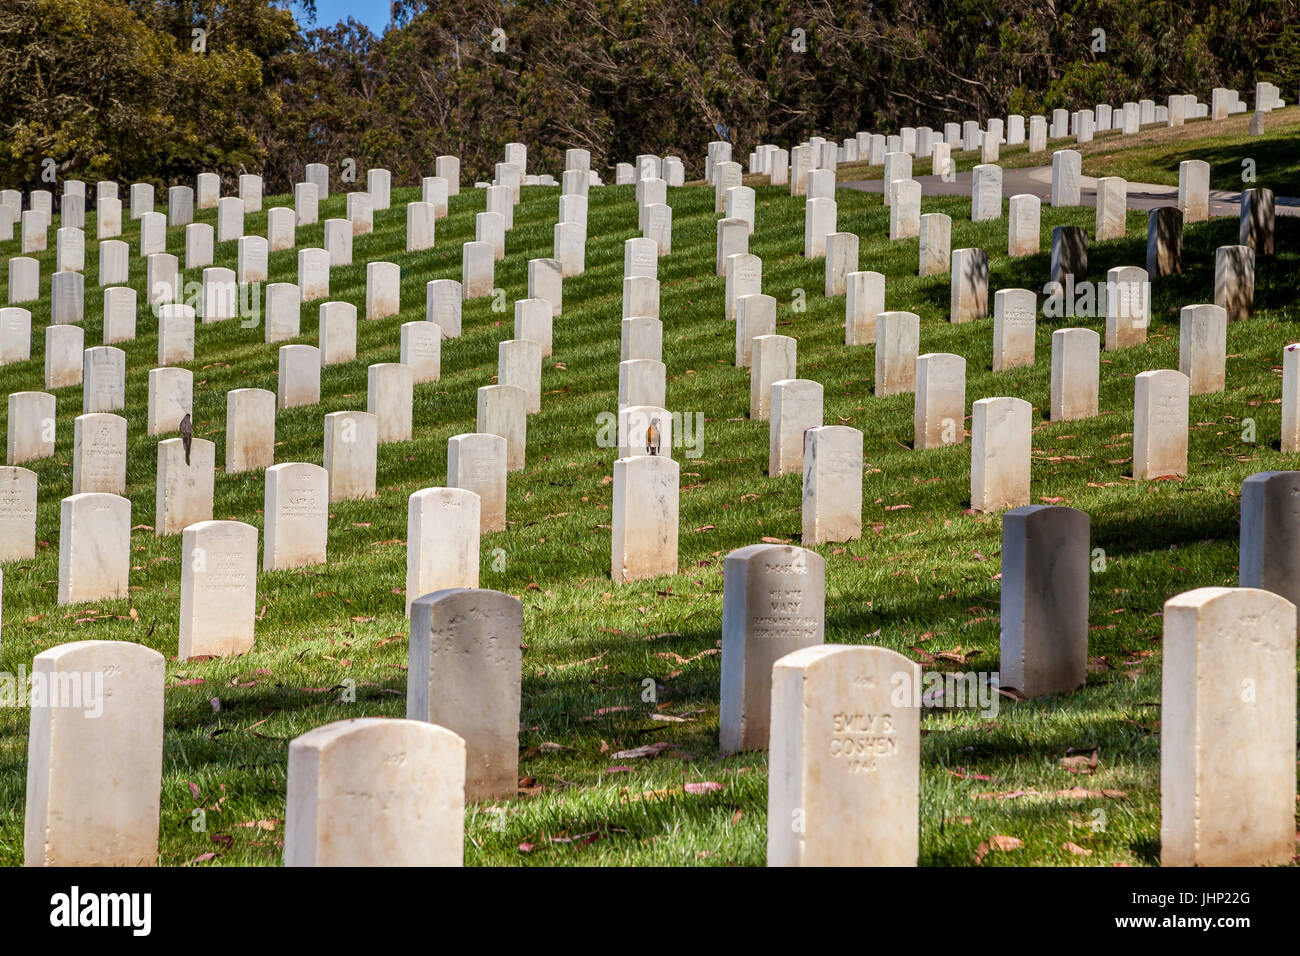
<point x="1152" y="155"/>
<point x="923" y="579"/>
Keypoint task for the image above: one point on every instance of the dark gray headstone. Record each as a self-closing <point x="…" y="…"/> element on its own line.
<point x="1069" y="253"/>
<point x="1270" y="533"/>
<point x="1164" y="241"/>
<point x="1045" y="558"/>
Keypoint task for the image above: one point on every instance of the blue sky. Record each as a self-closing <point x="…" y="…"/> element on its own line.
<point x="373" y="13"/>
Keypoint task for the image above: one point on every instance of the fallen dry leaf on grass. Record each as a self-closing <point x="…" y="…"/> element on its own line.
<point x="648" y="750"/>
<point x="999" y="842"/>
<point x="1074" y="848"/>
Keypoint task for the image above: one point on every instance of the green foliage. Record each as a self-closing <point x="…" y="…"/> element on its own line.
<point x="113" y="88"/>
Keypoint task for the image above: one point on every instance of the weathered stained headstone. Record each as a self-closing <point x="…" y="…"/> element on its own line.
<point x="360" y="213"/>
<point x="502" y="410"/>
<point x="844" y="771"/>
<point x="99" y="453"/>
<point x="218" y="589"/>
<point x="199" y="241"/>
<point x="299" y="376"/>
<point x="281" y="229"/>
<point x="819" y="222"/>
<point x="641" y="382"/>
<point x="250" y="192"/>
<point x="841" y="259"/>
<point x="1194" y="190"/>
<point x="313" y="274"/>
<point x="108" y="218"/>
<point x="935" y="234"/>
<point x="939" y="412"/>
<point x="904" y="209"/>
<point x="755" y="316"/>
<point x="296" y="516"/>
<point x="17" y="514"/>
<point x="1015" y="314"/>
<point x="1044" y="601"/>
<point x="1112" y="207"/>
<point x="898" y="342"/>
<point x="251" y="254"/>
<point x="477" y="462"/>
<point x="832" y="485"/>
<point x="796" y="406"/>
<point x="283" y="317"/>
<point x="31" y="426"/>
<point x="477" y="270"/>
<point x="1234" y="281"/>
<point x="1270" y="532"/>
<point x="535" y="322"/>
<point x="744" y="276"/>
<point x="1160" y="412"/>
<point x="464" y="673"/>
<point x="175" y="334"/>
<point x="67" y="297"/>
<point x="184" y="488"/>
<point x="250" y="429"/>
<point x="986" y="192"/>
<point x="373" y="791"/>
<point x="643" y="540"/>
<point x="1076" y="356"/>
<point x="969" y="286"/>
<point x="351" y="448"/>
<point x="1001" y="445"/>
<point x="338" y="241"/>
<point x="70" y="250"/>
<point x="864" y="300"/>
<point x="1067" y="170"/>
<point x="94" y="547"/>
<point x="774" y="603"/>
<point x="1203" y="347"/>
<point x="16" y="337"/>
<point x="390" y="397"/>
<point x="1227" y="729"/>
<point x="94" y="756"/>
<point x="64" y="347"/>
<point x="774" y="357"/>
<point x="306" y="204"/>
<point x="546" y="281"/>
<point x="171" y="398"/>
<point x="442" y="541"/>
<point x="119" y="314"/>
<point x="443" y="304"/>
<point x="1128" y="307"/>
<point x="1023" y="224"/>
<point x="1291" y="399"/>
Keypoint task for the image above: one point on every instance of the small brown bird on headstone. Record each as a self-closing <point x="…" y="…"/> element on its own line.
<point x="187" y="435"/>
<point x="652" y="439"/>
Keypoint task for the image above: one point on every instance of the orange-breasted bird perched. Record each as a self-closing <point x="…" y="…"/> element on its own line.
<point x="187" y="435"/>
<point x="652" y="439"/>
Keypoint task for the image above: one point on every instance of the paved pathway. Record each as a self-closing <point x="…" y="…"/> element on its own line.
<point x="1038" y="181"/>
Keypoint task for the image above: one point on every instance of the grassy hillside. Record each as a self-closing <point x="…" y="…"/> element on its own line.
<point x="1153" y="154"/>
<point x="922" y="580"/>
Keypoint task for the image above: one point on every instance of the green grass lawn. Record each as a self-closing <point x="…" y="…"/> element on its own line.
<point x="923" y="579"/>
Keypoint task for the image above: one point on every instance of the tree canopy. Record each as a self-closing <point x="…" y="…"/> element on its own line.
<point x="158" y="90"/>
